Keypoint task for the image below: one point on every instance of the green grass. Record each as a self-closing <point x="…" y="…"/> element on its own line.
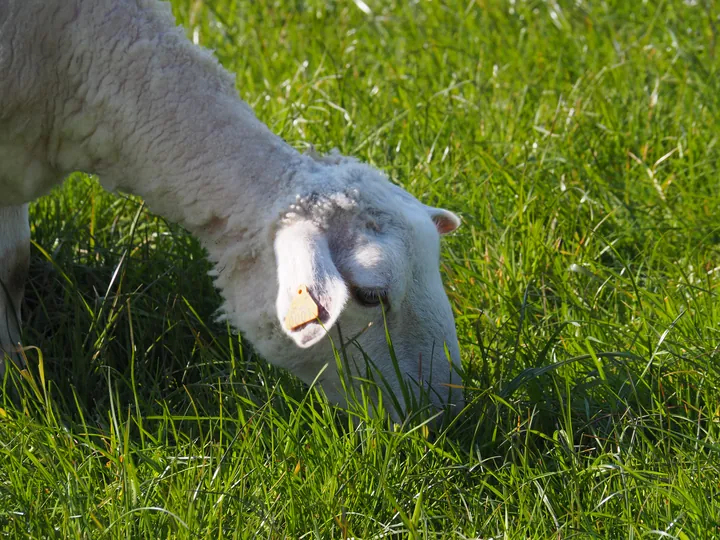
<point x="579" y="142"/>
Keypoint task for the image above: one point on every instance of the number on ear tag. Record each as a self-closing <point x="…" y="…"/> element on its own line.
<point x="303" y="309"/>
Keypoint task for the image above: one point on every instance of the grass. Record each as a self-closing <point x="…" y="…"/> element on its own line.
<point x="579" y="142"/>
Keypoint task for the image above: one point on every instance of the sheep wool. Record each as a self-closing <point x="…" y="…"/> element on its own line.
<point x="113" y="88"/>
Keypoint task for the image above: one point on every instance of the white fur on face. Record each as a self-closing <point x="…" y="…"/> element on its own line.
<point x="379" y="239"/>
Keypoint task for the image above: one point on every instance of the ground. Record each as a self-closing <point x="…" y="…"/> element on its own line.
<point x="579" y="143"/>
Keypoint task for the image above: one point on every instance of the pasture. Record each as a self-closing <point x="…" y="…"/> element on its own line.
<point x="579" y="142"/>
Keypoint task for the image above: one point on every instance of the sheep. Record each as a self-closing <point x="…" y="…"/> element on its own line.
<point x="308" y="250"/>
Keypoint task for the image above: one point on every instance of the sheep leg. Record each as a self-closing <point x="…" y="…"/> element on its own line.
<point x="14" y="261"/>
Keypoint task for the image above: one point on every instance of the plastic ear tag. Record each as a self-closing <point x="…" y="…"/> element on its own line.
<point x="303" y="309"/>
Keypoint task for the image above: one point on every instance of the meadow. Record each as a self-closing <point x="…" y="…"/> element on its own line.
<point x="578" y="141"/>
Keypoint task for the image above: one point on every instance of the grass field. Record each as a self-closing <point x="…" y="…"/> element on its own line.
<point x="578" y="140"/>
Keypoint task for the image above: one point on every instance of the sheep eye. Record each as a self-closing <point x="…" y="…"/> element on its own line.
<point x="371" y="297"/>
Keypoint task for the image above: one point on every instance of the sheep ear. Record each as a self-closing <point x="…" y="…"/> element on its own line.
<point x="311" y="291"/>
<point x="445" y="221"/>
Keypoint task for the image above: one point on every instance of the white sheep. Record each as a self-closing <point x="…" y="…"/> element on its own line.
<point x="304" y="246"/>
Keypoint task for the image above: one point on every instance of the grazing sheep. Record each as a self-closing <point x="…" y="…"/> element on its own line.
<point x="303" y="245"/>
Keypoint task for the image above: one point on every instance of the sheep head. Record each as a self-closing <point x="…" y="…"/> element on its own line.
<point x="356" y="256"/>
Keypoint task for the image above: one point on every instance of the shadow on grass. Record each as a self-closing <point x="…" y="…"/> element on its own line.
<point x="106" y="339"/>
<point x="133" y="343"/>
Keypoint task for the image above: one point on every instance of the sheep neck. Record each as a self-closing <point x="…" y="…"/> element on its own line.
<point x="225" y="181"/>
<point x="167" y="124"/>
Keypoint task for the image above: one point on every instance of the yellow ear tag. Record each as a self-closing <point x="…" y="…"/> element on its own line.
<point x="303" y="309"/>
